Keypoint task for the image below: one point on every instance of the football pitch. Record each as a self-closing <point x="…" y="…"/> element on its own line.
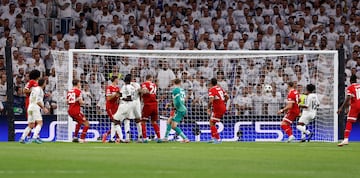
<point x="173" y="160"/>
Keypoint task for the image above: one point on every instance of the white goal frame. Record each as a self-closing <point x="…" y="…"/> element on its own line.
<point x="198" y="55"/>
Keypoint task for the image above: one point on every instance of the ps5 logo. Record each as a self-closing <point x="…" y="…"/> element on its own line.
<point x="52" y="130"/>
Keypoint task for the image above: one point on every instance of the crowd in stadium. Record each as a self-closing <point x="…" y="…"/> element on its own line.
<point x="179" y="25"/>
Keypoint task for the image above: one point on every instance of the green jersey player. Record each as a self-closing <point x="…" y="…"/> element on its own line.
<point x="178" y="95"/>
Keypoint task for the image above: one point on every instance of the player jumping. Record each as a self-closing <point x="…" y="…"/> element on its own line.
<point x="217" y="100"/>
<point x="309" y="112"/>
<point x="74" y="101"/>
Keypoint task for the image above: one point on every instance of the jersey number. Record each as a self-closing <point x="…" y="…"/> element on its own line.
<point x="152" y="89"/>
<point x="221" y="93"/>
<point x="71" y="97"/>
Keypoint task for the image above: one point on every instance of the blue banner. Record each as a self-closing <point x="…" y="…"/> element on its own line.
<point x="230" y="129"/>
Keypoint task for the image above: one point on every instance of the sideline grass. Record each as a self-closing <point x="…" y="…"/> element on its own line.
<point x="175" y="160"/>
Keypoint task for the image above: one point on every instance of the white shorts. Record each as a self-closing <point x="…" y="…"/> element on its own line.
<point x="128" y="110"/>
<point x="34" y="115"/>
<point x="307" y="117"/>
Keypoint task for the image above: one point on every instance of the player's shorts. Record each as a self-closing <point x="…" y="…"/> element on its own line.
<point x="217" y="115"/>
<point x="353" y="113"/>
<point x="34" y="115"/>
<point x="307" y="117"/>
<point x="111" y="111"/>
<point x="150" y="110"/>
<point x="129" y="110"/>
<point x="290" y="117"/>
<point x="179" y="115"/>
<point x="78" y="117"/>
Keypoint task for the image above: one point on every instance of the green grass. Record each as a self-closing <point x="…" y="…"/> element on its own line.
<point x="173" y="160"/>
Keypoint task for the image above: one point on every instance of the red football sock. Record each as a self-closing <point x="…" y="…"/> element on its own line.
<point x="77" y="128"/>
<point x="214" y="132"/>
<point x="108" y="132"/>
<point x="156" y="129"/>
<point x="143" y="129"/>
<point x="287" y="129"/>
<point x="83" y="134"/>
<point x="348" y="129"/>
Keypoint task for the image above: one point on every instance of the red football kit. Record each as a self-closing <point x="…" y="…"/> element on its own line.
<point x="113" y="104"/>
<point x="74" y="105"/>
<point x="150" y="108"/>
<point x="293" y="97"/>
<point x="352" y="91"/>
<point x="218" y="105"/>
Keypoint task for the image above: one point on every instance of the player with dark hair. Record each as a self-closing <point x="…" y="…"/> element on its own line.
<point x="352" y="97"/>
<point x="112" y="104"/>
<point x="36" y="104"/>
<point x="150" y="108"/>
<point x="292" y="111"/>
<point x="178" y="95"/>
<point x="130" y="109"/>
<point x="75" y="100"/>
<point x="308" y="114"/>
<point x="34" y="76"/>
<point x="217" y="101"/>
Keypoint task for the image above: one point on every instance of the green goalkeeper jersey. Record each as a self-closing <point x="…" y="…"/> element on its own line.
<point x="178" y="95"/>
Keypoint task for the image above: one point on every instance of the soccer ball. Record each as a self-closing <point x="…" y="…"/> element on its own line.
<point x="267" y="88"/>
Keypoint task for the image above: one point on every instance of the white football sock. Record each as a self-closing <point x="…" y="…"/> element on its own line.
<point x="127" y="129"/>
<point x="25" y="133"/>
<point x="118" y="130"/>
<point x="139" y="129"/>
<point x="112" y="131"/>
<point x="302" y="128"/>
<point x="37" y="131"/>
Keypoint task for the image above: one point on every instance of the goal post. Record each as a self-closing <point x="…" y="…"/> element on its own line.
<point x="251" y="114"/>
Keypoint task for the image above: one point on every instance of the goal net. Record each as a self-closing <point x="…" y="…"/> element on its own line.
<point x="245" y="75"/>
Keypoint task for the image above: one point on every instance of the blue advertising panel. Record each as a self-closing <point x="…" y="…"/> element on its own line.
<point x="231" y="129"/>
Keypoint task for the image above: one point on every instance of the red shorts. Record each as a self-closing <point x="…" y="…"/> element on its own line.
<point x="150" y="110"/>
<point x="111" y="111"/>
<point x="353" y="113"/>
<point x="78" y="117"/>
<point x="218" y="114"/>
<point x="290" y="117"/>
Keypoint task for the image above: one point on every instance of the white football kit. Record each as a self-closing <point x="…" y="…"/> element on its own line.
<point x="308" y="114"/>
<point x="34" y="113"/>
<point x="129" y="109"/>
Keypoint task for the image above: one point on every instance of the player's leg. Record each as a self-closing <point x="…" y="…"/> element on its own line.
<point x="168" y="125"/>
<point x="127" y="130"/>
<point x="118" y="130"/>
<point x="37" y="130"/>
<point x="111" y="132"/>
<point x="301" y="125"/>
<point x="78" y="121"/>
<point x="27" y="116"/>
<point x="154" y="122"/>
<point x="177" y="119"/>
<point x="215" y="137"/>
<point x="26" y="132"/>
<point x="145" y="116"/>
<point x="86" y="126"/>
<point x="31" y="125"/>
<point x="348" y="128"/>
<point x="139" y="130"/>
<point x="286" y="126"/>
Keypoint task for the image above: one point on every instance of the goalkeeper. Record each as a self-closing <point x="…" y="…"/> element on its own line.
<point x="178" y="95"/>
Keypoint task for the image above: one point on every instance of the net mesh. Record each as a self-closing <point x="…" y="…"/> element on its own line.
<point x="251" y="110"/>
